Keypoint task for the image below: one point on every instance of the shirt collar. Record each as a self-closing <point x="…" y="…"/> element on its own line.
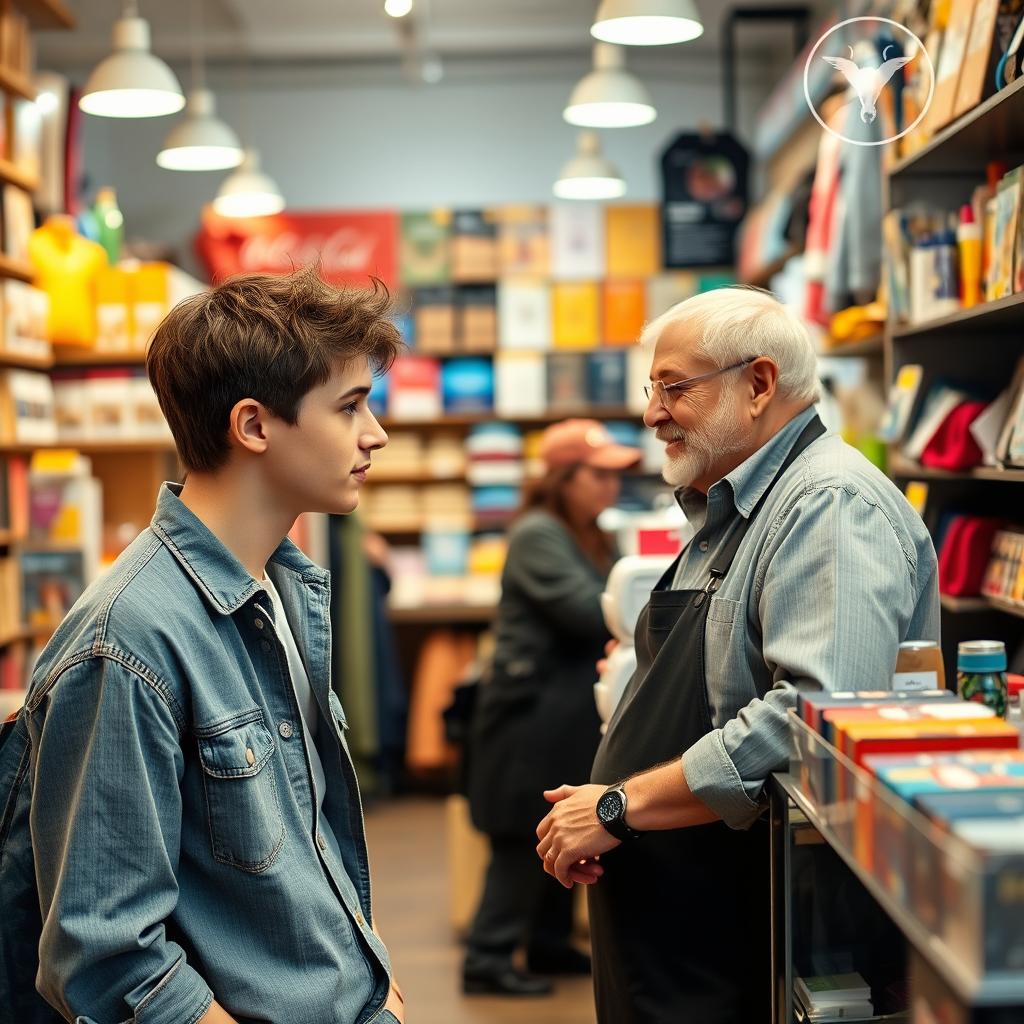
<point x="211" y="566"/>
<point x="748" y="482"/>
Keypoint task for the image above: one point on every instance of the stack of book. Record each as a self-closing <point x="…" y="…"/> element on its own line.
<point x="832" y="997"/>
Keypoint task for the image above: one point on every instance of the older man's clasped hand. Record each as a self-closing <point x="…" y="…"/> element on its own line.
<point x="571" y="837"/>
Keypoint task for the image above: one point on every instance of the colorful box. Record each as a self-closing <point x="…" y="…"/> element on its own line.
<point x="576" y="315"/>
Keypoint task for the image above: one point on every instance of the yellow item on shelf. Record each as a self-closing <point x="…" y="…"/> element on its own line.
<point x="150" y="287"/>
<point x="113" y="311"/>
<point x="67" y="268"/>
<point x="576" y="314"/>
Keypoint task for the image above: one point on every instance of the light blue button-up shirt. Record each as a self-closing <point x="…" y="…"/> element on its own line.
<point x="834" y="573"/>
<point x="178" y="849"/>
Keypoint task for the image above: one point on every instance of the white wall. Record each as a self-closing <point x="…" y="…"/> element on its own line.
<point x="370" y="140"/>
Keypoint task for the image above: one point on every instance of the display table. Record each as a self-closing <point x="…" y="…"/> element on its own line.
<point x="958" y="915"/>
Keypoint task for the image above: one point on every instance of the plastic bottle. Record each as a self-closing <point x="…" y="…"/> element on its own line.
<point x="968" y="237"/>
<point x="109" y="223"/>
<point x="981" y="673"/>
<point x="922" y="267"/>
<point x="946" y="279"/>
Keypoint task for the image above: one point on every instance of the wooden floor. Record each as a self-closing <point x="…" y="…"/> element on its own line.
<point x="407" y="852"/>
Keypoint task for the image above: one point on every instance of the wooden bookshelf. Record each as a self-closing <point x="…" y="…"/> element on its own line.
<point x="153" y="447"/>
<point x="903" y="468"/>
<point x="987" y="318"/>
<point x="991" y="131"/>
<point x="15" y="269"/>
<point x="980" y="605"/>
<point x="604" y="413"/>
<point x="439" y="615"/>
<point x="17" y="83"/>
<point x="864" y="347"/>
<point x="71" y="355"/>
<point x="46" y="14"/>
<point x="27" y="634"/>
<point x="12" y="174"/>
<point x="17" y="361"/>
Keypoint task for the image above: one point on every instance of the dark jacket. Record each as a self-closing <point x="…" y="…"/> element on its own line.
<point x="536" y="725"/>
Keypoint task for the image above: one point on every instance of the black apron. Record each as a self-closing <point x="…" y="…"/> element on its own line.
<point x="680" y="920"/>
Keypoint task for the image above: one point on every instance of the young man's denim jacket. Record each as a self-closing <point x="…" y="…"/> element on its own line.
<point x="178" y="853"/>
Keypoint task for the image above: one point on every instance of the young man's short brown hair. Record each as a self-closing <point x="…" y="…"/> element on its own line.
<point x="263" y="337"/>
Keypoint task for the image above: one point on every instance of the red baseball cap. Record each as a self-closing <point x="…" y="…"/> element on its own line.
<point x="586" y="442"/>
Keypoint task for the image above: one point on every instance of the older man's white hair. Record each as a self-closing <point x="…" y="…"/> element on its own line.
<point x="736" y="322"/>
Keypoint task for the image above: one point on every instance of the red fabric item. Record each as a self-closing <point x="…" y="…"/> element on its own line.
<point x="953" y="446"/>
<point x="965" y="555"/>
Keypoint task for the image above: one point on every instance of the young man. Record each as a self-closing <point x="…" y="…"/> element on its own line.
<point x="196" y="823"/>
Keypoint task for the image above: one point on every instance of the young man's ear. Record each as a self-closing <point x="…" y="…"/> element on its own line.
<point x="247" y="425"/>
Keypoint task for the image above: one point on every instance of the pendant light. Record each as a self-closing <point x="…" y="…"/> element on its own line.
<point x="588" y="175"/>
<point x="647" y="22"/>
<point x="609" y="96"/>
<point x="131" y="82"/>
<point x="248" y="192"/>
<point x="201" y="141"/>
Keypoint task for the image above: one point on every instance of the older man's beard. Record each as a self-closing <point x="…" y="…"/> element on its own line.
<point x="719" y="435"/>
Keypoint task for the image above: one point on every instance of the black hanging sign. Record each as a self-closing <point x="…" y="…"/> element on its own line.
<point x="704" y="198"/>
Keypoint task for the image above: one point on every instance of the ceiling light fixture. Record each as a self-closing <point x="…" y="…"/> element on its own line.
<point x="248" y="192"/>
<point x="131" y="82"/>
<point x="588" y="175"/>
<point x="647" y="22"/>
<point x="609" y="96"/>
<point x="202" y="141"/>
<point x="397" y="8"/>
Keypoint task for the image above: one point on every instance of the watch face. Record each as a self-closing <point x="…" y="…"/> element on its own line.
<point x="609" y="807"/>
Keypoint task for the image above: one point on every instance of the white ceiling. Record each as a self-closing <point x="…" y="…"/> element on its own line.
<point x="296" y="30"/>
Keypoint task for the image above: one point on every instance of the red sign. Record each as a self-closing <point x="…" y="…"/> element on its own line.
<point x="352" y="245"/>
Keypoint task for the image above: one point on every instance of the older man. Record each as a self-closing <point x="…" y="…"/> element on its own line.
<point x="807" y="570"/>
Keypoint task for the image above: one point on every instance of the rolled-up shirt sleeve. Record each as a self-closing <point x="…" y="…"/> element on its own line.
<point x="106" y="821"/>
<point x="836" y="596"/>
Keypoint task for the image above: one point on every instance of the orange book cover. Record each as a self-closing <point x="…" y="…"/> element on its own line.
<point x="977" y="59"/>
<point x="857" y="741"/>
<point x="633" y="240"/>
<point x="576" y="314"/>
<point x="624" y="310"/>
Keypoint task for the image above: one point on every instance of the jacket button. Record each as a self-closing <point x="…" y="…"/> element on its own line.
<point x="703" y="545"/>
<point x="250" y="757"/>
<point x="285" y="729"/>
<point x="321" y="842"/>
<point x="258" y="623"/>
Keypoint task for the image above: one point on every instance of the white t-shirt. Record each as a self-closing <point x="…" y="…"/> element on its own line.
<point x="303" y="691"/>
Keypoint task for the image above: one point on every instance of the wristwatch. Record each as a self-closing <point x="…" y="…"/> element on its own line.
<point x="611" y="812"/>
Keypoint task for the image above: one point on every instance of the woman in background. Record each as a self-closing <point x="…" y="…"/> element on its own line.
<point x="536" y="724"/>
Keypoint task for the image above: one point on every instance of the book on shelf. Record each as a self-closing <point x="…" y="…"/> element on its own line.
<point x="25" y="312"/>
<point x="27" y="414"/>
<point x="606" y="378"/>
<point x="567" y="382"/>
<point x="474" y="246"/>
<point x="524" y="314"/>
<point x="477" y="318"/>
<point x="577" y="241"/>
<point x="414" y="390"/>
<point x="576" y="314"/>
<point x="435" y="320"/>
<point x="520" y="383"/>
<point x="425" y="248"/>
<point x="980" y="57"/>
<point x="955" y="42"/>
<point x="52" y="581"/>
<point x="10" y="597"/>
<point x="632" y="240"/>
<point x="18" y="222"/>
<point x="66" y="506"/>
<point x="624" y="309"/>
<point x="523" y="243"/>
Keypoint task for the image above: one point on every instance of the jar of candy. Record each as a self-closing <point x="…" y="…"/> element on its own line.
<point x="981" y="673"/>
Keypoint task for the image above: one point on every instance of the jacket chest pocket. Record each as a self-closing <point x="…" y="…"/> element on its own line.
<point x="243" y="807"/>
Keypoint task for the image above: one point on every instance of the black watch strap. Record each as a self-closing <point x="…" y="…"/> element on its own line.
<point x="611" y="812"/>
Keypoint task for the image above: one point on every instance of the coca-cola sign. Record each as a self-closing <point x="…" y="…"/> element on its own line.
<point x="351" y="245"/>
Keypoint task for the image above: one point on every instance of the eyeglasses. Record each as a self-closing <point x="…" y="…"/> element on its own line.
<point x="662" y="389"/>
